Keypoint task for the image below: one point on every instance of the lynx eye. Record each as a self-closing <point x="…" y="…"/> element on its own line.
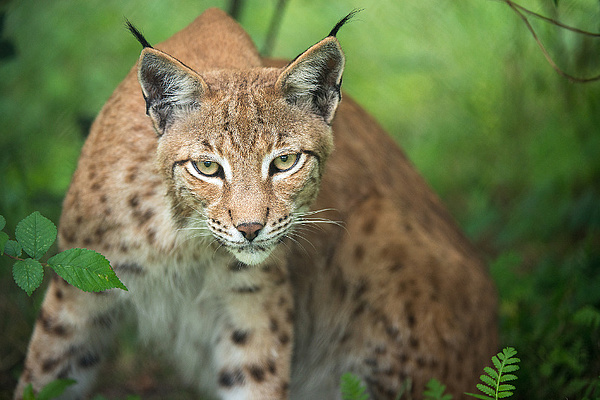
<point x="206" y="167"/>
<point x="285" y="162"/>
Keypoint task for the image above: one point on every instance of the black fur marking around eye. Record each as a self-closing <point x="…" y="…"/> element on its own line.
<point x="343" y="21"/>
<point x="138" y="35"/>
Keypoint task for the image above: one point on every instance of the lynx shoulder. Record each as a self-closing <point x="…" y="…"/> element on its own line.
<point x="261" y="261"/>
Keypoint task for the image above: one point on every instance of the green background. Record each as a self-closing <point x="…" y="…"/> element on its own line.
<point x="511" y="147"/>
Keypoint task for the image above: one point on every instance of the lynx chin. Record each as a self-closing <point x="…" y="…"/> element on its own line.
<point x="261" y="262"/>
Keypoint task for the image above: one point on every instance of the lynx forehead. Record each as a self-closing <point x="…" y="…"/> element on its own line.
<point x="260" y="261"/>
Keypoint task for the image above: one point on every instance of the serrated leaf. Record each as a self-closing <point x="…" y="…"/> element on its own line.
<point x="479" y="396"/>
<point x="510" y="368"/>
<point x="352" y="387"/>
<point x="509" y="352"/>
<point x="28" y="274"/>
<point x="2" y="222"/>
<point x="12" y="248"/>
<point x="491" y="372"/>
<point x="3" y="241"/>
<point x="55" y="389"/>
<point x="28" y="393"/>
<point x="485" y="389"/>
<point x="508" y="377"/>
<point x="36" y="234"/>
<point x="505" y="387"/>
<point x="502" y="395"/>
<point x="497" y="363"/>
<point x="487" y="380"/>
<point x="86" y="270"/>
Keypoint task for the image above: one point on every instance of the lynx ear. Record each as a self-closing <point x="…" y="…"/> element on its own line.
<point x="314" y="78"/>
<point x="169" y="87"/>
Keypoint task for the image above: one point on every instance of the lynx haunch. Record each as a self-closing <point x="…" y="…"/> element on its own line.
<point x="263" y="262"/>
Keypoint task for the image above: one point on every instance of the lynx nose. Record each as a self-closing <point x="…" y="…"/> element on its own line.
<point x="250" y="230"/>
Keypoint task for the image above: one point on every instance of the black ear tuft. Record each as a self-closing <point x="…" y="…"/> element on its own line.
<point x="138" y="35"/>
<point x="312" y="81"/>
<point x="343" y="21"/>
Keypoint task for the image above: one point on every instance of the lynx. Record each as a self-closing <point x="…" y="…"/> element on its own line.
<point x="260" y="260"/>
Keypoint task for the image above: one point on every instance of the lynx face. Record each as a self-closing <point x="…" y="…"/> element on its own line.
<point x="243" y="152"/>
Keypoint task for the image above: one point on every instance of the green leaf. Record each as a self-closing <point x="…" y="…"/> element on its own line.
<point x="28" y="393"/>
<point x="505" y="388"/>
<point x="486" y="390"/>
<point x="12" y="248"/>
<point x="435" y="391"/>
<point x="86" y="270"/>
<point x="55" y="389"/>
<point x="508" y="352"/>
<point x="497" y="364"/>
<point x="491" y="372"/>
<point x="479" y="396"/>
<point x="3" y="240"/>
<point x="2" y="222"/>
<point x="487" y="380"/>
<point x="352" y="388"/>
<point x="36" y="234"/>
<point x="508" y="377"/>
<point x="510" y="368"/>
<point x="28" y="274"/>
<point x="502" y="395"/>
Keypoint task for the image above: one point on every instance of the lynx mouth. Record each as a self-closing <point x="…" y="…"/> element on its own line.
<point x="251" y="254"/>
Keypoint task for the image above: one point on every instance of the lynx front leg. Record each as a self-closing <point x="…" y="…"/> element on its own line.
<point x="254" y="349"/>
<point x="70" y="336"/>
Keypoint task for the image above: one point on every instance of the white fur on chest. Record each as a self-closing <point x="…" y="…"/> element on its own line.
<point x="179" y="311"/>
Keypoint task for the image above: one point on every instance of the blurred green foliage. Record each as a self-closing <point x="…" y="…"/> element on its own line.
<point x="511" y="147"/>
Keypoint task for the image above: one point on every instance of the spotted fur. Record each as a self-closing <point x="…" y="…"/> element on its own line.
<point x="259" y="281"/>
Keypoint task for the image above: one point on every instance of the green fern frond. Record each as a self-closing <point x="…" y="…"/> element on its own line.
<point x="352" y="388"/>
<point x="434" y="390"/>
<point x="494" y="384"/>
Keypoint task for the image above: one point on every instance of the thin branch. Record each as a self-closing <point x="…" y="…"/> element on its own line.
<point x="519" y="11"/>
<point x="235" y="9"/>
<point x="550" y="20"/>
<point x="274" y="28"/>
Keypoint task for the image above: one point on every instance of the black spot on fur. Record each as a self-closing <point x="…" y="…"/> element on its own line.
<point x="50" y="364"/>
<point x="103" y="321"/>
<point x="284" y="338"/>
<point x="237" y="266"/>
<point x="256" y="373"/>
<point x="64" y="372"/>
<point x="247" y="289"/>
<point x="88" y="360"/>
<point x="130" y="268"/>
<point x="271" y="366"/>
<point x="231" y="378"/>
<point x="240" y="337"/>
<point x="49" y="325"/>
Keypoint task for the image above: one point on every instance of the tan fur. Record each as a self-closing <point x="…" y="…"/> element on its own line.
<point x="390" y="291"/>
